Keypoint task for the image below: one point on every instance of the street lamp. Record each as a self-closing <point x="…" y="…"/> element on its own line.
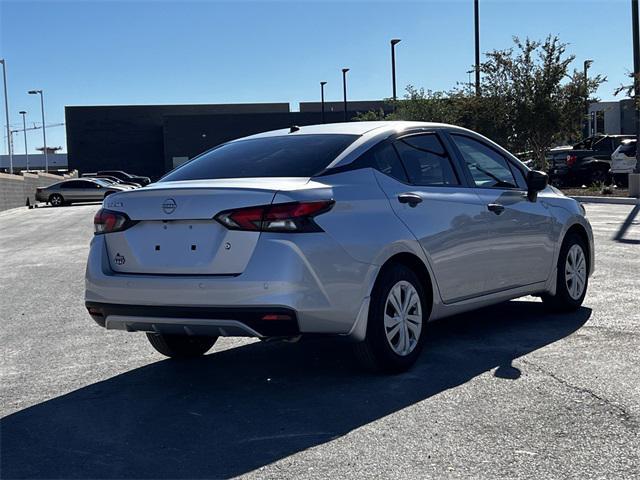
<point x="344" y="90"/>
<point x="322" y="84"/>
<point x="394" y="42"/>
<point x="586" y="65"/>
<point x="44" y="129"/>
<point x="24" y="133"/>
<point x="6" y="112"/>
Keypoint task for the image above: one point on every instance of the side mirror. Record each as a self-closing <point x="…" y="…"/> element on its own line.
<point x="536" y="181"/>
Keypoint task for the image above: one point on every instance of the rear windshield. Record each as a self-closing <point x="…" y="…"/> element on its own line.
<point x="282" y="156"/>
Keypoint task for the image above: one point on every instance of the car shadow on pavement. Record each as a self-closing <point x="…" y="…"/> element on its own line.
<point x="240" y="409"/>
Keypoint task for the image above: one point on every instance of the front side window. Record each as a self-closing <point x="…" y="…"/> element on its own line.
<point x="426" y="161"/>
<point x="488" y="168"/>
<point x="278" y="156"/>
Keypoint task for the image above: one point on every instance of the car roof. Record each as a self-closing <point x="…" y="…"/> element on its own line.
<point x="347" y="128"/>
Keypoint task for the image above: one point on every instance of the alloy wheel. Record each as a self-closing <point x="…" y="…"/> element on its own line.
<point x="403" y="318"/>
<point x="575" y="272"/>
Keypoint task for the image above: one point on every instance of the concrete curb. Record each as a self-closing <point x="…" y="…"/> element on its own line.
<point x="610" y="200"/>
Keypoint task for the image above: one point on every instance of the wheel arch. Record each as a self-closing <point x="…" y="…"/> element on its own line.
<point x="579" y="230"/>
<point x="416" y="265"/>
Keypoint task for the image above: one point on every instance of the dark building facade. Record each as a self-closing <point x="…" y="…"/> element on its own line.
<point x="153" y="139"/>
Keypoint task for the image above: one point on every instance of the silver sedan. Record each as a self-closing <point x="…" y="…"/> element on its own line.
<point x="366" y="230"/>
<point x="77" y="190"/>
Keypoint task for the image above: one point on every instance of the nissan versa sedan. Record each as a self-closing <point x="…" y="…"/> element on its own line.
<point x="364" y="230"/>
<point x="77" y="190"/>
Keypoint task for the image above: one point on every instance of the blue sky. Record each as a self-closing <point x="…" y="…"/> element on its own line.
<point x="147" y="52"/>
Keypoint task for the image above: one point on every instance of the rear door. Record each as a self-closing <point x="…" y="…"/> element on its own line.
<point x="520" y="231"/>
<point x="427" y="192"/>
<point x="72" y="190"/>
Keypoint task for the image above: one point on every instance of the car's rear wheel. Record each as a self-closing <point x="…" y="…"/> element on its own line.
<point x="598" y="176"/>
<point x="181" y="346"/>
<point x="573" y="276"/>
<point x="398" y="313"/>
<point x="56" y="200"/>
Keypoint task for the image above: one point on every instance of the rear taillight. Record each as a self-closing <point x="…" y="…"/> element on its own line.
<point x="294" y="217"/>
<point x="571" y="160"/>
<point x="108" y="221"/>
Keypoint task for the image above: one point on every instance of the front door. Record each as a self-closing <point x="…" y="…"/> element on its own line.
<point x="520" y="230"/>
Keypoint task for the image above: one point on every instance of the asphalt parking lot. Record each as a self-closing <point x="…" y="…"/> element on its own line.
<point x="506" y="392"/>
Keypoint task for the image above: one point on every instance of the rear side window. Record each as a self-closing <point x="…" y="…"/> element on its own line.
<point x="281" y="156"/>
<point x="426" y="161"/>
<point x="383" y="158"/>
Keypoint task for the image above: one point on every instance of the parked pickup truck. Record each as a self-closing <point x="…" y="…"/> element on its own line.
<point x="585" y="163"/>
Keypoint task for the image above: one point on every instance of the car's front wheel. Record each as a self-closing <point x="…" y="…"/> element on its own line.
<point x="573" y="276"/>
<point x="181" y="346"/>
<point x="396" y="326"/>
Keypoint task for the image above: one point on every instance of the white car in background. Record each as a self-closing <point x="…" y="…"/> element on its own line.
<point x="623" y="162"/>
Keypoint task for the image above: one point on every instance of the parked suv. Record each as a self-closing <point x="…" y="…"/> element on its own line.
<point x="623" y="162"/>
<point x="585" y="163"/>
<point x="364" y="230"/>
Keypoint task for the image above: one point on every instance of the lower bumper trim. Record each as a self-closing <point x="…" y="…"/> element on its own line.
<point x="226" y="321"/>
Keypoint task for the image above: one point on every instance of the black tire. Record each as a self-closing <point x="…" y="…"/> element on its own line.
<point x="598" y="176"/>
<point x="56" y="200"/>
<point x="180" y="346"/>
<point x="621" y="179"/>
<point x="375" y="352"/>
<point x="563" y="301"/>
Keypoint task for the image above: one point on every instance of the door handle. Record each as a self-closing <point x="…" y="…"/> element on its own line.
<point x="495" y="208"/>
<point x="411" y="198"/>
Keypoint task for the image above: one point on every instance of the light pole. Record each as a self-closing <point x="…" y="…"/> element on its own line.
<point x="394" y="42"/>
<point x="469" y="72"/>
<point x="6" y="112"/>
<point x="476" y="18"/>
<point x="44" y="129"/>
<point x="322" y="84"/>
<point x="636" y="76"/>
<point x="344" y="90"/>
<point x="586" y="65"/>
<point x="24" y="133"/>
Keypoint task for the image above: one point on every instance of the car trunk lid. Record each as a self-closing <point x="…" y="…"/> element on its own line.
<point x="175" y="232"/>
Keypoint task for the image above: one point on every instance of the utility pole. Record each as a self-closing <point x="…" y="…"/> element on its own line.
<point x="6" y="112"/>
<point x="24" y="133"/>
<point x="476" y="17"/>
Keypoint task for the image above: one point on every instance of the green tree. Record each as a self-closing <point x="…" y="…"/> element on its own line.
<point x="529" y="100"/>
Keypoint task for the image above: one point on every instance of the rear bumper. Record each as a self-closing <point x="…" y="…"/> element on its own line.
<point x="309" y="276"/>
<point x="250" y="322"/>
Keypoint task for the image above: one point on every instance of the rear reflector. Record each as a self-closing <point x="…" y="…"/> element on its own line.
<point x="276" y="317"/>
<point x="294" y="217"/>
